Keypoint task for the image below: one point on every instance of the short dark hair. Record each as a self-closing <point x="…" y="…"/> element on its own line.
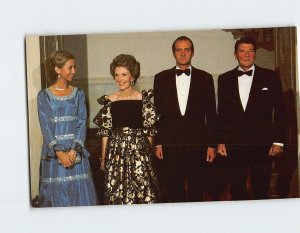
<point x="245" y="40"/>
<point x="180" y="39"/>
<point x="127" y="61"/>
<point x="56" y="59"/>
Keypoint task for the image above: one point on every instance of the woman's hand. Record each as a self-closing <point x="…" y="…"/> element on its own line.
<point x="72" y="155"/>
<point x="64" y="159"/>
<point x="102" y="164"/>
<point x="159" y="152"/>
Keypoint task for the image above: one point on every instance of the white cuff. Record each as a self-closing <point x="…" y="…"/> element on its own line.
<point x="278" y="144"/>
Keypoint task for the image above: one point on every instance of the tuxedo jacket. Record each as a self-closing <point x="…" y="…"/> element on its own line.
<point x="262" y="122"/>
<point x="198" y="125"/>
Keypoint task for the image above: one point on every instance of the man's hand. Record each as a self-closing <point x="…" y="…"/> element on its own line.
<point x="275" y="150"/>
<point x="211" y="154"/>
<point x="222" y="150"/>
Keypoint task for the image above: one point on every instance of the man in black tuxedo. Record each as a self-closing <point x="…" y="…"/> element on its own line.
<point x="250" y="122"/>
<point x="185" y="142"/>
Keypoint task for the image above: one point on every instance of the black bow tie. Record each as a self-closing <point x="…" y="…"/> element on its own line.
<point x="180" y="72"/>
<point x="240" y="72"/>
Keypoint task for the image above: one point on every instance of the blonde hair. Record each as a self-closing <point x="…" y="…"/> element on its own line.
<point x="56" y="59"/>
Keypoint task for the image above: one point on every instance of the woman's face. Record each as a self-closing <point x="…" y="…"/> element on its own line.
<point x="67" y="71"/>
<point x="123" y="78"/>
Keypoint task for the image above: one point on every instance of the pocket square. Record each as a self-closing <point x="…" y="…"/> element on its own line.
<point x="265" y="89"/>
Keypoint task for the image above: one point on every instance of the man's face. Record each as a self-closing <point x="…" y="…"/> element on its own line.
<point x="245" y="55"/>
<point x="183" y="53"/>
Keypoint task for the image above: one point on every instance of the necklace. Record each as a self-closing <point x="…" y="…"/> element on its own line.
<point x="59" y="89"/>
<point x="126" y="95"/>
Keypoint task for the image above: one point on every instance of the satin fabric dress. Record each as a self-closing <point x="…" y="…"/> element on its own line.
<point x="63" y="124"/>
<point x="130" y="174"/>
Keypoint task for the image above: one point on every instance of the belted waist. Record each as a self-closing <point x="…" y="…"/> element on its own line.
<point x="128" y="130"/>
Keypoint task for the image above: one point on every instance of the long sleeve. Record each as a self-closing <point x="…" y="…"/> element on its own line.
<point x="44" y="113"/>
<point x="158" y="104"/>
<point x="221" y="117"/>
<point x="279" y="113"/>
<point x="150" y="114"/>
<point x="80" y="132"/>
<point x="211" y="115"/>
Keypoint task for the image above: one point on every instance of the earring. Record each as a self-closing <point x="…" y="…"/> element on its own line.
<point x="58" y="76"/>
<point x="132" y="82"/>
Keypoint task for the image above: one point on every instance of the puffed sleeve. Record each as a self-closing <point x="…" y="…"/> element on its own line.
<point x="44" y="112"/>
<point x="150" y="114"/>
<point x="103" y="119"/>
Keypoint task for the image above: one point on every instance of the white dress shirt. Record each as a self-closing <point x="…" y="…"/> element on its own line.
<point x="183" y="86"/>
<point x="245" y="82"/>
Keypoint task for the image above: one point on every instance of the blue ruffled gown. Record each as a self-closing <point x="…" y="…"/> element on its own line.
<point x="63" y="125"/>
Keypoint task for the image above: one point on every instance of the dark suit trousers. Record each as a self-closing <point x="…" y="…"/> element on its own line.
<point x="252" y="160"/>
<point x="181" y="172"/>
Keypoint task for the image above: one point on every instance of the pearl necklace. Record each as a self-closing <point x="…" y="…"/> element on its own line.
<point x="59" y="89"/>
<point x="126" y="95"/>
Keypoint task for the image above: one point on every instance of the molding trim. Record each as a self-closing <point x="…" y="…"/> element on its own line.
<point x="108" y="80"/>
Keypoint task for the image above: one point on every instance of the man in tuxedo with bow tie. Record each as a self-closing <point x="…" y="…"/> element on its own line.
<point x="185" y="142"/>
<point x="251" y="123"/>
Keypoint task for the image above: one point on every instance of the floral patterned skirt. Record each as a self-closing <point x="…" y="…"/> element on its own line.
<point x="130" y="176"/>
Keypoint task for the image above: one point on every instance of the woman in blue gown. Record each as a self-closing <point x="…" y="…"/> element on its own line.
<point x="65" y="176"/>
<point x="127" y="126"/>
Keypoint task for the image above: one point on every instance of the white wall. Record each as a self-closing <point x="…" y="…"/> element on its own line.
<point x="153" y="50"/>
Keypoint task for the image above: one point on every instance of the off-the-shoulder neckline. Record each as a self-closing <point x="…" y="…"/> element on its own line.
<point x="125" y="101"/>
<point x="146" y="96"/>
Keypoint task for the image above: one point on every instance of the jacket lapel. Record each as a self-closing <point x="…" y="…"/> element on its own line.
<point x="191" y="91"/>
<point x="236" y="92"/>
<point x="173" y="92"/>
<point x="253" y="90"/>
